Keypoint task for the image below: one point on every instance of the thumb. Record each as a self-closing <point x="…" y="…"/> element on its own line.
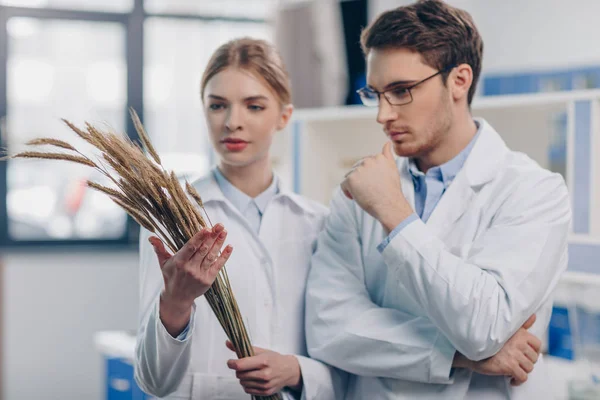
<point x="529" y="323"/>
<point x="259" y="350"/>
<point x="159" y="249"/>
<point x="387" y="151"/>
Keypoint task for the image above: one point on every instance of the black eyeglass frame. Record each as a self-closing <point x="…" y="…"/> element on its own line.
<point x="408" y="89"/>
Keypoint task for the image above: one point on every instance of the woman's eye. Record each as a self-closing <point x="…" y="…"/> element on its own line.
<point x="254" y="107"/>
<point x="215" y="107"/>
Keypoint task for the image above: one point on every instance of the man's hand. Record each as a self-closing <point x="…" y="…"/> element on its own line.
<point x="267" y="372"/>
<point x="516" y="359"/>
<point x="374" y="183"/>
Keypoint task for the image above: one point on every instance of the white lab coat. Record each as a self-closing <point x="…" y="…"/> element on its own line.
<point x="488" y="258"/>
<point x="268" y="274"/>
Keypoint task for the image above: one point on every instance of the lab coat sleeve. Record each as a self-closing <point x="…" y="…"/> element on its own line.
<point x="320" y="381"/>
<point x="161" y="360"/>
<point x="345" y="329"/>
<point x="480" y="301"/>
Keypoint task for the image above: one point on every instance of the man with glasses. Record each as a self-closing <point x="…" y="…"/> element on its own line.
<point x="432" y="267"/>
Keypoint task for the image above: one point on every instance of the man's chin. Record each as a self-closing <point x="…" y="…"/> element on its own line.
<point x="402" y="150"/>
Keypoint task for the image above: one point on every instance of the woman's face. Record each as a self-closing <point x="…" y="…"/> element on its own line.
<point x="243" y="114"/>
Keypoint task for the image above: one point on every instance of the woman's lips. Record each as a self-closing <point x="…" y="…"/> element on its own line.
<point x="235" y="145"/>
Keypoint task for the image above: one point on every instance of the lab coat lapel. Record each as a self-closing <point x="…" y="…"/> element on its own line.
<point x="480" y="167"/>
<point x="453" y="204"/>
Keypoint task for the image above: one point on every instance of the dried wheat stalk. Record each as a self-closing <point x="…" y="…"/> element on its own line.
<point x="154" y="199"/>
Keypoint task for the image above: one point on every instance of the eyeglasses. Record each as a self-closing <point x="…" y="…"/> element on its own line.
<point x="396" y="96"/>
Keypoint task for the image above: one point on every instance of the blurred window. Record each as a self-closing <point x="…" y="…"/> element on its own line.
<point x="77" y="59"/>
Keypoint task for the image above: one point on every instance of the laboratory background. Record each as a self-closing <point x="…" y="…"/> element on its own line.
<point x="68" y="255"/>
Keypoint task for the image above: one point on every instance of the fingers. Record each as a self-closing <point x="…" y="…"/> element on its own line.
<point x="191" y="247"/>
<point x="259" y="389"/>
<point x="529" y="323"/>
<point x="248" y="363"/>
<point x="257" y="375"/>
<point x="219" y="235"/>
<point x="260" y="393"/>
<point x="229" y="345"/>
<point x="534" y="342"/>
<point x="526" y="364"/>
<point x="355" y="165"/>
<point x="221" y="260"/>
<point x="519" y="377"/>
<point x="206" y="254"/>
<point x="159" y="248"/>
<point x="531" y="354"/>
<point x="253" y="384"/>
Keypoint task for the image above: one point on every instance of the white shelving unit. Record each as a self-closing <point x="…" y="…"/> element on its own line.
<point x="321" y="144"/>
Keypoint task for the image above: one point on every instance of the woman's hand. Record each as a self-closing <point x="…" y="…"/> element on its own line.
<point x="189" y="274"/>
<point x="267" y="372"/>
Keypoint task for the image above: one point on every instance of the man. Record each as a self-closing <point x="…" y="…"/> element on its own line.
<point x="430" y="264"/>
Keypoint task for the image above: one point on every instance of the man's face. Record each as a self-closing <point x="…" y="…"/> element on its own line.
<point x="420" y="126"/>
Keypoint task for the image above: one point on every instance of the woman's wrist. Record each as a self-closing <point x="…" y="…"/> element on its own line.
<point x="175" y="315"/>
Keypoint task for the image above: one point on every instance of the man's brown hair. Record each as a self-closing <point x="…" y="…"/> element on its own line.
<point x="445" y="36"/>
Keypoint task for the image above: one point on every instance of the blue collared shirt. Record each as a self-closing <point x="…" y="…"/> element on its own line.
<point x="430" y="186"/>
<point x="251" y="208"/>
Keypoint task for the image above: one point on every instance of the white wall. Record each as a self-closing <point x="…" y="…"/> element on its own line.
<point x="530" y="34"/>
<point x="53" y="303"/>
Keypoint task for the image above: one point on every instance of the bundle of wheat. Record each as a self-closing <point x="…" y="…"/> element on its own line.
<point x="155" y="199"/>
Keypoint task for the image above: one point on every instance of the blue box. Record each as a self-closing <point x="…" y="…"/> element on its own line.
<point x="120" y="383"/>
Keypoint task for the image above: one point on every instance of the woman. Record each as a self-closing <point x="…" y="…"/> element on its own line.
<point x="181" y="351"/>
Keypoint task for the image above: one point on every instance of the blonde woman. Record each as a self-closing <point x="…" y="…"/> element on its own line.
<point x="181" y="350"/>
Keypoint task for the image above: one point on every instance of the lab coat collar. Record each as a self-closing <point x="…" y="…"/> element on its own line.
<point x="489" y="151"/>
<point x="209" y="190"/>
<point x="481" y="166"/>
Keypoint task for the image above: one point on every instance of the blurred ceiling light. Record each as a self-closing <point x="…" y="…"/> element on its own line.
<point x="36" y="203"/>
<point x="60" y="227"/>
<point x="29" y="80"/>
<point x="105" y="82"/>
<point x="19" y="28"/>
<point x="24" y="3"/>
<point x="230" y="8"/>
<point x="159" y="83"/>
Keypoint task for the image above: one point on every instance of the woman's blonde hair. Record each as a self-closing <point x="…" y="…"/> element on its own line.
<point x="254" y="55"/>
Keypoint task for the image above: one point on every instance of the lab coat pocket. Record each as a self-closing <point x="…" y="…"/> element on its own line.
<point x="217" y="387"/>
